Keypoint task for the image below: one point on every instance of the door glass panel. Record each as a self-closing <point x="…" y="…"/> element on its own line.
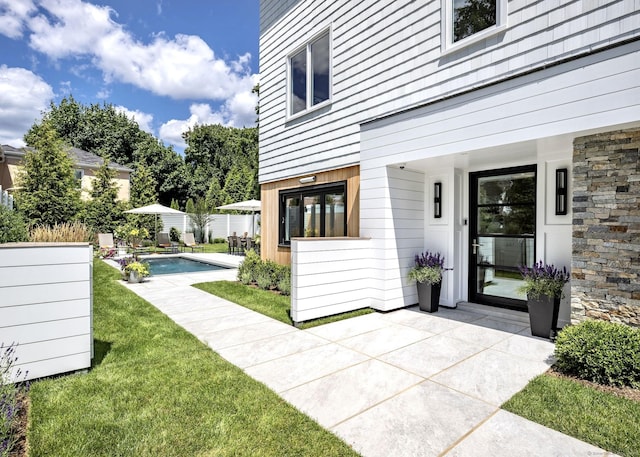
<point x="312" y="216"/>
<point x="503" y="236"/>
<point x="291" y="223"/>
<point x="334" y="215"/>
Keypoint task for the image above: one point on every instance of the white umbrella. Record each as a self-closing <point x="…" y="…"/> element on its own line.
<point x="254" y="206"/>
<point x="156" y="209"/>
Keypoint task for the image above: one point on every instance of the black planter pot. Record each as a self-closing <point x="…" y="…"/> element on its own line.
<point x="428" y="296"/>
<point x="543" y="315"/>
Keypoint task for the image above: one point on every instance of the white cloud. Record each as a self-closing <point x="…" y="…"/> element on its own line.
<point x="182" y="67"/>
<point x="238" y="111"/>
<point x="23" y="97"/>
<point x="12" y="16"/>
<point x="144" y="120"/>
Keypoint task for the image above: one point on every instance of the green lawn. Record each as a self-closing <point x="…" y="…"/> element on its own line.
<point x="155" y="390"/>
<point x="602" y="419"/>
<point x="265" y="302"/>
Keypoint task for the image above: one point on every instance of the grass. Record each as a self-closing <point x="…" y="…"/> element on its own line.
<point x="267" y="303"/>
<point x="155" y="390"/>
<point x="600" y="418"/>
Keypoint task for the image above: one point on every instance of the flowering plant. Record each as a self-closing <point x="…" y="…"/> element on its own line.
<point x="142" y="268"/>
<point x="543" y="279"/>
<point x="428" y="268"/>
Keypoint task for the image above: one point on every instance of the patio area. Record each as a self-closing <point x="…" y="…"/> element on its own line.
<point x="403" y="383"/>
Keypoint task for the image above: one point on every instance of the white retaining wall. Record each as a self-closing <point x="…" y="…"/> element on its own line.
<point x="46" y="306"/>
<point x="329" y="276"/>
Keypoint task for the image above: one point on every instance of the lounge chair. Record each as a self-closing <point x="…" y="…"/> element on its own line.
<point x="164" y="242"/>
<point x="190" y="242"/>
<point x="105" y="241"/>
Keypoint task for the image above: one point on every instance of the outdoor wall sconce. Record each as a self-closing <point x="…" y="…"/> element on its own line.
<point x="561" y="191"/>
<point x="307" y="179"/>
<point x="437" y="200"/>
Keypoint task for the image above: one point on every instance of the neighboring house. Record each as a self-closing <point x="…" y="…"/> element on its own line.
<point x="497" y="139"/>
<point x="86" y="164"/>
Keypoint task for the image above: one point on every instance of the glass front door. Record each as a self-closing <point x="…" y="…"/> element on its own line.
<point x="502" y="234"/>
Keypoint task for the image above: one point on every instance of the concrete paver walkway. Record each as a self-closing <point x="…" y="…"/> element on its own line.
<point x="404" y="383"/>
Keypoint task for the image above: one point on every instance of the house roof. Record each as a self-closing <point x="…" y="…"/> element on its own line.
<point x="83" y="159"/>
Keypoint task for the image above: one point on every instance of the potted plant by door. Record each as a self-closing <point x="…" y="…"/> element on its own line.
<point x="427" y="273"/>
<point x="543" y="286"/>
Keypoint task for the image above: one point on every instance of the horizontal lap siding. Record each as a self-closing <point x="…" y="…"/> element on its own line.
<point x="46" y="306"/>
<point x="386" y="57"/>
<point x="329" y="276"/>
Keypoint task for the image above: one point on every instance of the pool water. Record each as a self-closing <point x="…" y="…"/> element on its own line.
<point x="173" y="265"/>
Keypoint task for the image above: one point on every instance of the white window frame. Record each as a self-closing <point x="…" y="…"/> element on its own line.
<point x="310" y="108"/>
<point x="449" y="46"/>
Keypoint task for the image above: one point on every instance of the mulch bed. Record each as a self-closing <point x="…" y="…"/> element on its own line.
<point x="20" y="448"/>
<point x="625" y="392"/>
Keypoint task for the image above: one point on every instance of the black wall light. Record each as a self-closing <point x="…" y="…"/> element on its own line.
<point x="561" y="191"/>
<point x="437" y="200"/>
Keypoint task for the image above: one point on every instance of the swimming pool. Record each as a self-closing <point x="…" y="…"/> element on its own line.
<point x="175" y="265"/>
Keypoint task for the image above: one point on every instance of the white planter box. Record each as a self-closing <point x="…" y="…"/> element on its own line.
<point x="46" y="306"/>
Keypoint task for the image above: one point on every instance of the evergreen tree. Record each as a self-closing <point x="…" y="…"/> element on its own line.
<point x="143" y="193"/>
<point x="103" y="211"/>
<point x="49" y="193"/>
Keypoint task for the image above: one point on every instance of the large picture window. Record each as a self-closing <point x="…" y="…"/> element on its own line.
<point x="467" y="21"/>
<point x="318" y="211"/>
<point x="310" y="76"/>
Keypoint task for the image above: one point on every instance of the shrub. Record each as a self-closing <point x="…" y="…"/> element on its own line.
<point x="599" y="351"/>
<point x="249" y="266"/>
<point x="174" y="234"/>
<point x="10" y="404"/>
<point x="245" y="278"/>
<point x="12" y="227"/>
<point x="67" y="232"/>
<point x="284" y="285"/>
<point x="263" y="279"/>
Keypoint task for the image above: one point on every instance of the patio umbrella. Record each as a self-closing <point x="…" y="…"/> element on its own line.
<point x="248" y="205"/>
<point x="155" y="209"/>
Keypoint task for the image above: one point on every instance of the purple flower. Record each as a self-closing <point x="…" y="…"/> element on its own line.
<point x="428" y="259"/>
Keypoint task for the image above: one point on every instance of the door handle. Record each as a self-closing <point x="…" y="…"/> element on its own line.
<point x="475" y="247"/>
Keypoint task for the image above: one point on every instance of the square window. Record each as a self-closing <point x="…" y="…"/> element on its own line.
<point x="468" y="21"/>
<point x="309" y="73"/>
<point x="310" y="212"/>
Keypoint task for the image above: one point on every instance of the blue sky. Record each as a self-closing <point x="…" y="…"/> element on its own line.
<point x="168" y="63"/>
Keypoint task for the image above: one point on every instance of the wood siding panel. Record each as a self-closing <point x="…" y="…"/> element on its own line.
<point x="387" y="57"/>
<point x="269" y="248"/>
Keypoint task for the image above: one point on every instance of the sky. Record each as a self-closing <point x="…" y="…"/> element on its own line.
<point x="168" y="64"/>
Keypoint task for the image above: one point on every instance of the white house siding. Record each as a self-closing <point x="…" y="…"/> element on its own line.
<point x="529" y="120"/>
<point x="46" y="306"/>
<point x="330" y="276"/>
<point x="387" y="57"/>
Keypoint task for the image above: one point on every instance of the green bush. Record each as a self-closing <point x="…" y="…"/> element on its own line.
<point x="284" y="285"/>
<point x="12" y="227"/>
<point x="599" y="351"/>
<point x="266" y="274"/>
<point x="249" y="266"/>
<point x="263" y="280"/>
<point x="174" y="234"/>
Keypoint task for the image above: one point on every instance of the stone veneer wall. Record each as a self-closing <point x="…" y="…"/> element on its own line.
<point x="606" y="227"/>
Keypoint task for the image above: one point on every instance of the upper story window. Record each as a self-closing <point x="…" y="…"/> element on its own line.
<point x="309" y="84"/>
<point x="468" y="21"/>
<point x="78" y="175"/>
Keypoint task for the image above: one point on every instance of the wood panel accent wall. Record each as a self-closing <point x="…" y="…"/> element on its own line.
<point x="270" y="208"/>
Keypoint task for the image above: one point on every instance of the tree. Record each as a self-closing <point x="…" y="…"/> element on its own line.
<point x="143" y="193"/>
<point x="12" y="227"/>
<point x="199" y="215"/>
<point x="213" y="151"/>
<point x="103" y="211"/>
<point x="49" y="193"/>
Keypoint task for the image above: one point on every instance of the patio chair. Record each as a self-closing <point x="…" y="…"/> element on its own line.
<point x="105" y="241"/>
<point x="190" y="242"/>
<point x="164" y="242"/>
<point x="234" y="244"/>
